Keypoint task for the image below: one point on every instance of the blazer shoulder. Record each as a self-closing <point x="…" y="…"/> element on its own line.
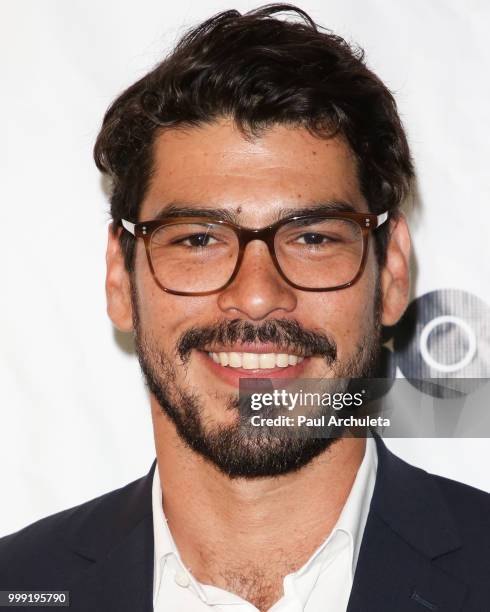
<point x="469" y="506"/>
<point x="40" y="553"/>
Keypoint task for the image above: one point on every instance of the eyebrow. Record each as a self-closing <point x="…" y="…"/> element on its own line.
<point x="317" y="208"/>
<point x="178" y="209"/>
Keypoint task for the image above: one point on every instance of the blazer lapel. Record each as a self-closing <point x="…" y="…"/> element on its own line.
<point x="123" y="580"/>
<point x="409" y="526"/>
<point x="118" y="538"/>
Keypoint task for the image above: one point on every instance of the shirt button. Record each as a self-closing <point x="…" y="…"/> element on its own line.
<point x="182" y="579"/>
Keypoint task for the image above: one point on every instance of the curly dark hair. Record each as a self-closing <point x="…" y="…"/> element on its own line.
<point x="259" y="70"/>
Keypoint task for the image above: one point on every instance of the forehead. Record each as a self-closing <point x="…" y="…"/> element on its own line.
<point x="216" y="166"/>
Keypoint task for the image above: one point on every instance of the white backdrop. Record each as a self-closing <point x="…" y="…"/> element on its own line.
<point x="74" y="413"/>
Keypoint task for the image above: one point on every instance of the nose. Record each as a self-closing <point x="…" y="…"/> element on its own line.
<point x="258" y="290"/>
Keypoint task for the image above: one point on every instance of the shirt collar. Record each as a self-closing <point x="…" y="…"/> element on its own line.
<point x="163" y="541"/>
<point x="354" y="514"/>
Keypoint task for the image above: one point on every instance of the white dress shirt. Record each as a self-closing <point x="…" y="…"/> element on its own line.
<point x="323" y="583"/>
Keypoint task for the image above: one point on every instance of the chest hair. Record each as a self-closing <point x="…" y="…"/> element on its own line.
<point x="260" y="585"/>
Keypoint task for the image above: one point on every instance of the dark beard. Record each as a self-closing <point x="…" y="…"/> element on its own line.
<point x="236" y="450"/>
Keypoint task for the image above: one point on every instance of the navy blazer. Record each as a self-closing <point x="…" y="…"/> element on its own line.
<point x="426" y="546"/>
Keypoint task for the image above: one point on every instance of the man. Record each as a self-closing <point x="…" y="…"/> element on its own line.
<point x="257" y="177"/>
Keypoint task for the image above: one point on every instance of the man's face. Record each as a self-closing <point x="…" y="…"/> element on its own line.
<point x="215" y="167"/>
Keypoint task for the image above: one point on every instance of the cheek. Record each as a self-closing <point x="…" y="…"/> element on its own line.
<point x="348" y="315"/>
<point x="163" y="315"/>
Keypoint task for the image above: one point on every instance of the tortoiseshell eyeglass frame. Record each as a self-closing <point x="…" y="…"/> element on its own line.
<point x="145" y="229"/>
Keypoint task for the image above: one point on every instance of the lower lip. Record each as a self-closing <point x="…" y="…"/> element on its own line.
<point x="232" y="376"/>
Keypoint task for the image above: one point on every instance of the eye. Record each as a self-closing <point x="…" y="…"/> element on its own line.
<point x="312" y="238"/>
<point x="197" y="240"/>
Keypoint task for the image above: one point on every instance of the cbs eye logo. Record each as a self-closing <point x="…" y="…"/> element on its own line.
<point x="444" y="334"/>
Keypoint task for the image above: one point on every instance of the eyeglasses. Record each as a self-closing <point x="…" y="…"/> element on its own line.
<point x="196" y="255"/>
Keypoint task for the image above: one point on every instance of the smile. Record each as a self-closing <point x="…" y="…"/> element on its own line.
<point x="230" y="364"/>
<point x="255" y="361"/>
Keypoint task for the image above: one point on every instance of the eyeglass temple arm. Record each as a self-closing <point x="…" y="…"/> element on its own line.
<point x="128" y="225"/>
<point x="382" y="218"/>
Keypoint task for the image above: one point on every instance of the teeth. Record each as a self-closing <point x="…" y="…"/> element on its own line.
<point x="282" y="360"/>
<point x="256" y="361"/>
<point x="235" y="360"/>
<point x="267" y="360"/>
<point x="250" y="361"/>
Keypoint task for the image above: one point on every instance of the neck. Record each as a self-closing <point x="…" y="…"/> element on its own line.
<point x="276" y="523"/>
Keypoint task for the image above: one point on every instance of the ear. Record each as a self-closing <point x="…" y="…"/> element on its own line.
<point x="117" y="285"/>
<point x="395" y="276"/>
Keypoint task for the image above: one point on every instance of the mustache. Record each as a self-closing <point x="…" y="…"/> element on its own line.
<point x="284" y="333"/>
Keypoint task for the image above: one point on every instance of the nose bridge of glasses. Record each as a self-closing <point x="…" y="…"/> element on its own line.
<point x="267" y="236"/>
<point x="263" y="234"/>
